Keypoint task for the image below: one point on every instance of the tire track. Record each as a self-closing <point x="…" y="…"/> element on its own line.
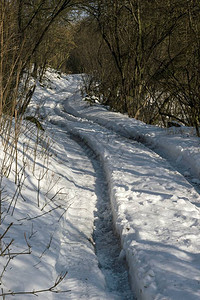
<point x="124" y="134"/>
<point x="105" y="241"/>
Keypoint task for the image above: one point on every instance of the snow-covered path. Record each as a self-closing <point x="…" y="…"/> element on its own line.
<point x="150" y="201"/>
<point x="78" y="240"/>
<point x="100" y="173"/>
<point x="102" y="275"/>
<point x="152" y="204"/>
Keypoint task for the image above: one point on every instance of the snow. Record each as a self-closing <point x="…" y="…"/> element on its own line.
<point x="98" y="165"/>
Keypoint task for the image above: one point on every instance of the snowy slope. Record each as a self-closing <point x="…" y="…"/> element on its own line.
<point x="155" y="209"/>
<point x="59" y="231"/>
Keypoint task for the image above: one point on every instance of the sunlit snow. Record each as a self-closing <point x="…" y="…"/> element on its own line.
<point x="101" y="162"/>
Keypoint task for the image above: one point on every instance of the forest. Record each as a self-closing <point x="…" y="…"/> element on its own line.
<point x="140" y="57"/>
<point x="85" y="191"/>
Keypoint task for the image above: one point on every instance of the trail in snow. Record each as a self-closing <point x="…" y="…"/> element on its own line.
<point x="151" y="202"/>
<point x="130" y="134"/>
<point x="152" y="207"/>
<point x="108" y="249"/>
<point x="105" y="241"/>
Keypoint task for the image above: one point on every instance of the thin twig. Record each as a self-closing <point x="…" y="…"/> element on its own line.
<point x="2" y="236"/>
<point x="38" y="216"/>
<point x="35" y="292"/>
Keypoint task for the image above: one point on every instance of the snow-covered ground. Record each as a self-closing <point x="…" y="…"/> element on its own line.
<point x="101" y="165"/>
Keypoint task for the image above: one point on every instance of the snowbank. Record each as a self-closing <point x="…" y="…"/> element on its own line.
<point x="177" y="144"/>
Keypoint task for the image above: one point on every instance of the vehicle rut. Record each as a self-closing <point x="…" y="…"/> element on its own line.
<point x="175" y="166"/>
<point x="105" y="241"/>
